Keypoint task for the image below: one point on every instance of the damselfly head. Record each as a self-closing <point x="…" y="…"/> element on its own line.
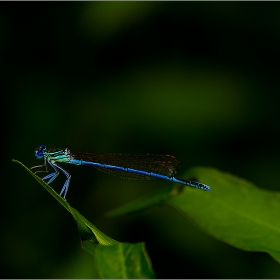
<point x="39" y="152"/>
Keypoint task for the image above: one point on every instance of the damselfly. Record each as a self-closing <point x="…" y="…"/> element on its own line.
<point x="128" y="166"/>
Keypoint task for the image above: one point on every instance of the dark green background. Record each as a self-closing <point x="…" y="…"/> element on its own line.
<point x="196" y="80"/>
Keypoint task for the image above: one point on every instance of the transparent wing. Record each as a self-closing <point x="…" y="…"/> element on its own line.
<point x="160" y="164"/>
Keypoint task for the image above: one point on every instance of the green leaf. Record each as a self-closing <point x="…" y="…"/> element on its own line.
<point x="234" y="211"/>
<point x="123" y="260"/>
<point x="88" y="232"/>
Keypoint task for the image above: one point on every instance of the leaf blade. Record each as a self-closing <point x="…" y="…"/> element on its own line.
<point x="133" y="257"/>
<point x="235" y="211"/>
<point x="126" y="261"/>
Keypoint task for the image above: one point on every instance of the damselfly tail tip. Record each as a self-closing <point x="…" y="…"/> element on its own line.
<point x="200" y="186"/>
<point x="207" y="188"/>
<point x="203" y="187"/>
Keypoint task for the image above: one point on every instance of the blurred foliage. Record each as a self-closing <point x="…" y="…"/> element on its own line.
<point x="197" y="80"/>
